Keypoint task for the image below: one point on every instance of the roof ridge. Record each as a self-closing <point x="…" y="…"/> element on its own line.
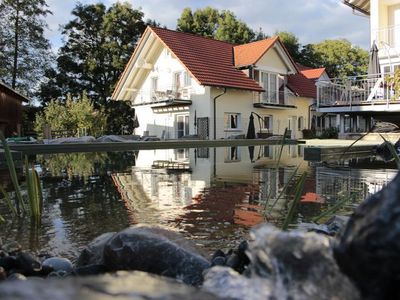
<point x="194" y="34"/>
<point x="254" y="42"/>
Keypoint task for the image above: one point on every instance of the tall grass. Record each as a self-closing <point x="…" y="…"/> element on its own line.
<point x="35" y="195"/>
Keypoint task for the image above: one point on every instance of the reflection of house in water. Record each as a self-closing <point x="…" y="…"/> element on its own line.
<point x="346" y="182"/>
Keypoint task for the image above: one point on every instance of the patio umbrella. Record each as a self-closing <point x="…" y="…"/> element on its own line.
<point x="135" y="122"/>
<point x="374" y="68"/>
<point x="251" y="130"/>
<point x="251" y="153"/>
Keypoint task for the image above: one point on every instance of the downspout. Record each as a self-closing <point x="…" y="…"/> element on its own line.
<point x="215" y="112"/>
<point x="215" y="130"/>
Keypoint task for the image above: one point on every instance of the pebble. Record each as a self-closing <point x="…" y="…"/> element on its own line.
<point x="58" y="264"/>
<point x="16" y="276"/>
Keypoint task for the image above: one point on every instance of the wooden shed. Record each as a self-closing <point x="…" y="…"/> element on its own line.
<point x="10" y="110"/>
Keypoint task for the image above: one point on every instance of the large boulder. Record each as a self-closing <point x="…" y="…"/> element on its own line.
<point x="121" y="285"/>
<point x="284" y="265"/>
<point x="368" y="250"/>
<point x="149" y="249"/>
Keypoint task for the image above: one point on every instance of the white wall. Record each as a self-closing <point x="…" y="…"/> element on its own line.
<point x="164" y="69"/>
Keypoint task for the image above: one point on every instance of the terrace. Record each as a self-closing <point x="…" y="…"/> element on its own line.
<point x="361" y="93"/>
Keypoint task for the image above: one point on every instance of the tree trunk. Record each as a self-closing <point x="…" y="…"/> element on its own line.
<point x="16" y="39"/>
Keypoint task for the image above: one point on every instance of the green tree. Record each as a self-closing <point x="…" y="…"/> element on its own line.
<point x="24" y="51"/>
<point x="98" y="44"/>
<point x="210" y="22"/>
<point x="232" y="30"/>
<point x="72" y="115"/>
<point x="291" y="43"/>
<point x="339" y="57"/>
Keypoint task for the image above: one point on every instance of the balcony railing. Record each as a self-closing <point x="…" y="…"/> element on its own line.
<point x="274" y="98"/>
<point x="363" y="90"/>
<point x="387" y="36"/>
<point x="163" y="94"/>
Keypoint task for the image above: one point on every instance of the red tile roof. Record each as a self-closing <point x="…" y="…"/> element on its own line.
<point x="210" y="61"/>
<point x="249" y="54"/>
<point x="303" y="83"/>
<point x="310" y="73"/>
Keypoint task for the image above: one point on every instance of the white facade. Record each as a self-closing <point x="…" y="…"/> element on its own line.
<point x="170" y="103"/>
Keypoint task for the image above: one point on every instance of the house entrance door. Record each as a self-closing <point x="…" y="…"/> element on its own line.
<point x="182" y="125"/>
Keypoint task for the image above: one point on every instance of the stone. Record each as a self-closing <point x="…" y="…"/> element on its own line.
<point x="147" y="248"/>
<point x="92" y="254"/>
<point x="218" y="261"/>
<point x="336" y="224"/>
<point x="90" y="270"/>
<point x="27" y="265"/>
<point x="3" y="274"/>
<point x="121" y="285"/>
<point x="8" y="262"/>
<point x="58" y="264"/>
<point x="16" y="276"/>
<point x="368" y="250"/>
<point x="284" y="265"/>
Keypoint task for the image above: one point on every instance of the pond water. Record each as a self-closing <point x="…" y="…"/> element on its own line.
<point x="213" y="196"/>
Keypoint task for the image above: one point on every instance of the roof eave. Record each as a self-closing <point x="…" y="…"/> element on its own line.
<point x="356" y="7"/>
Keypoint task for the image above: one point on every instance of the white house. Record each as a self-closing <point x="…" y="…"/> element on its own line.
<point x="354" y="104"/>
<point x="182" y="84"/>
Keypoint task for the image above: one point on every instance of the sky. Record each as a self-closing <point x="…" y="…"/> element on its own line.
<point x="311" y="21"/>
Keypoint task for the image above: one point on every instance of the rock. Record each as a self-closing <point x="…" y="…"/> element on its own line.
<point x="139" y="248"/>
<point x="368" y="250"/>
<point x="15" y="276"/>
<point x="218" y="261"/>
<point x="27" y="264"/>
<point x="8" y="262"/>
<point x="58" y="274"/>
<point x="58" y="264"/>
<point x="90" y="270"/>
<point x="92" y="254"/>
<point x="226" y="282"/>
<point x="284" y="265"/>
<point x="119" y="286"/>
<point x="312" y="227"/>
<point x="3" y="274"/>
<point x="336" y="224"/>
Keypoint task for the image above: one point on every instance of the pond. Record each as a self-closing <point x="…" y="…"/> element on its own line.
<point x="211" y="195"/>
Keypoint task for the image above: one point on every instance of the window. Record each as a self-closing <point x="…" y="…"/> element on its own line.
<point x="270" y="84"/>
<point x="182" y="125"/>
<point x="232" y="154"/>
<point x="232" y="121"/>
<point x="187" y="79"/>
<point x="267" y="123"/>
<point x="154" y="84"/>
<point x="177" y="80"/>
<point x="300" y="123"/>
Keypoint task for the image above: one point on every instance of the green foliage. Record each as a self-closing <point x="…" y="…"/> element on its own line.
<point x="98" y="44"/>
<point x="339" y="57"/>
<point x="119" y="113"/>
<point x="221" y="25"/>
<point x="73" y="164"/>
<point x="329" y="133"/>
<point x="291" y="43"/>
<point x="73" y="115"/>
<point x="35" y="195"/>
<point x="24" y="51"/>
<point x="394" y="80"/>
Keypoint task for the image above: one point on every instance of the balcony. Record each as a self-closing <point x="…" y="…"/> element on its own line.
<point x="274" y="99"/>
<point x="162" y="95"/>
<point x="363" y="93"/>
<point x="387" y="37"/>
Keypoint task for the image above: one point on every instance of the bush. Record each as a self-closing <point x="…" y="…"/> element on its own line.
<point x="329" y="133"/>
<point x="308" y="134"/>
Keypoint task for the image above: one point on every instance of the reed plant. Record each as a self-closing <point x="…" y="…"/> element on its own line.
<point x="19" y="207"/>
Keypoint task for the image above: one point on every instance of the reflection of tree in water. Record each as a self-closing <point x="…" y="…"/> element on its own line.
<point x="85" y="164"/>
